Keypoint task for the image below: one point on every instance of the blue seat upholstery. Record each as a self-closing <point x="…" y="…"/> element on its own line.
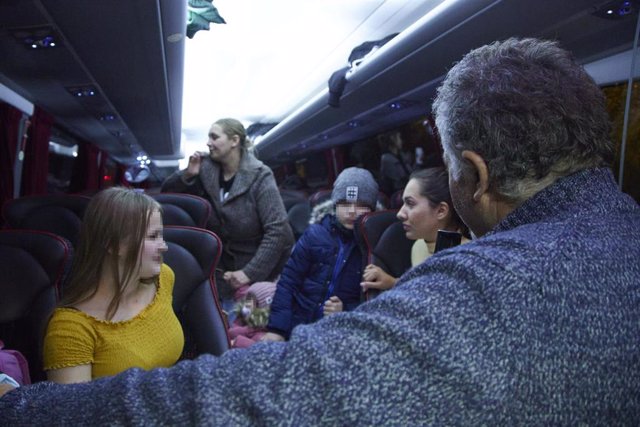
<point x="33" y="265"/>
<point x="183" y="209"/>
<point x="59" y="214"/>
<point x="193" y="255"/>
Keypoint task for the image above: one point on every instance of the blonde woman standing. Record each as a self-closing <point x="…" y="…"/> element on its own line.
<point x="248" y="213"/>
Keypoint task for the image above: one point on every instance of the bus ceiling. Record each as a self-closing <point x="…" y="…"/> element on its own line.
<point x="397" y="83"/>
<point x="109" y="72"/>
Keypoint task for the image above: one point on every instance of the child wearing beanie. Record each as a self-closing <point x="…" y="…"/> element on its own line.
<point x="252" y="314"/>
<point x="322" y="276"/>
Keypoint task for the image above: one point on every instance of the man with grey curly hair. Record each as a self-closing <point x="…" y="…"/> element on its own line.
<point x="519" y="115"/>
<point x="537" y="322"/>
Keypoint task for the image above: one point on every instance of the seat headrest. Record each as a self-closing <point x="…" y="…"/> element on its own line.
<point x="57" y="214"/>
<point x="30" y="263"/>
<point x="184" y="209"/>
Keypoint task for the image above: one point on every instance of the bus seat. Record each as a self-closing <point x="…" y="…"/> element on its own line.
<point x="319" y="197"/>
<point x="292" y="197"/>
<point x="299" y="215"/>
<point x="183" y="209"/>
<point x="59" y="214"/>
<point x="33" y="265"/>
<point x="193" y="256"/>
<point x="383" y="242"/>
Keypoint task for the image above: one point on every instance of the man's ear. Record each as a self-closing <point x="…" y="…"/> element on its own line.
<point x="482" y="173"/>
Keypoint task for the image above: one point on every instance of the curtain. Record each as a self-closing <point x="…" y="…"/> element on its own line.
<point x="36" y="156"/>
<point x="9" y="128"/>
<point x="88" y="169"/>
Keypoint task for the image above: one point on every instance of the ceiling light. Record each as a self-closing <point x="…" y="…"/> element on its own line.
<point x="36" y="38"/>
<point x="174" y="38"/>
<point x="618" y="9"/>
<point x="83" y="91"/>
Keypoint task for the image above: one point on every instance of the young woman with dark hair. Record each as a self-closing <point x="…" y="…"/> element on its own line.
<point x="427" y="208"/>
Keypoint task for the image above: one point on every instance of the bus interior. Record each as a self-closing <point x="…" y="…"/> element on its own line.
<point x="110" y="77"/>
<point x="91" y="92"/>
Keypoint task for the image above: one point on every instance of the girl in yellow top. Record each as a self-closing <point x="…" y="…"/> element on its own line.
<point x="116" y="311"/>
<point x="427" y="208"/>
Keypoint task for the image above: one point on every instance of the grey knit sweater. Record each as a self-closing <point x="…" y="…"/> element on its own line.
<point x="537" y="323"/>
<point x="251" y="222"/>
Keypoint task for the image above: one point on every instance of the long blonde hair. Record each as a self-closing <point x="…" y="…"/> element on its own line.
<point x="115" y="218"/>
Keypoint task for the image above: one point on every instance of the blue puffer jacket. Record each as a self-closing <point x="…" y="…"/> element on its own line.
<point x="326" y="261"/>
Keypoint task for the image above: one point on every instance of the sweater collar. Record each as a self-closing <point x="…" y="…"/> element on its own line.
<point x="584" y="190"/>
<point x="243" y="178"/>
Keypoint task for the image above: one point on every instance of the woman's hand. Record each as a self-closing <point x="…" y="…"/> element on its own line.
<point x="272" y="337"/>
<point x="236" y="279"/>
<point x="376" y="278"/>
<point x="193" y="169"/>
<point x="332" y="305"/>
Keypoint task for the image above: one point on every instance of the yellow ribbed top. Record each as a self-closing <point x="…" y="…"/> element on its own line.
<point x="151" y="339"/>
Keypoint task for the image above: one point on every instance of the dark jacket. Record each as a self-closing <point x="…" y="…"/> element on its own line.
<point x="251" y="222"/>
<point x="326" y="261"/>
<point x="536" y="323"/>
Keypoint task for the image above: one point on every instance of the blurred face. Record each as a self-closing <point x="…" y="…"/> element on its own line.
<point x="249" y="305"/>
<point x="220" y="144"/>
<point x="347" y="213"/>
<point x="420" y="219"/>
<point x="152" y="248"/>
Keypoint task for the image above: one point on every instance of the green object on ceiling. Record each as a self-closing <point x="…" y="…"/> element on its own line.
<point x="200" y="14"/>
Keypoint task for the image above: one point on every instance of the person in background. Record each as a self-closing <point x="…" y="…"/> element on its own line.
<point x="323" y="274"/>
<point x="393" y="168"/>
<point x="247" y="211"/>
<point x="116" y="310"/>
<point x="535" y="322"/>
<point x="427" y="208"/>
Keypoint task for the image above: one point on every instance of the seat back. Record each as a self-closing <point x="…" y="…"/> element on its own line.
<point x="292" y="197"/>
<point x="59" y="214"/>
<point x="299" y="215"/>
<point x="33" y="265"/>
<point x="383" y="242"/>
<point x="193" y="255"/>
<point x="183" y="209"/>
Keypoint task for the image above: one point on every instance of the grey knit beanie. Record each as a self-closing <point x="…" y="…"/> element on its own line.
<point x="355" y="185"/>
